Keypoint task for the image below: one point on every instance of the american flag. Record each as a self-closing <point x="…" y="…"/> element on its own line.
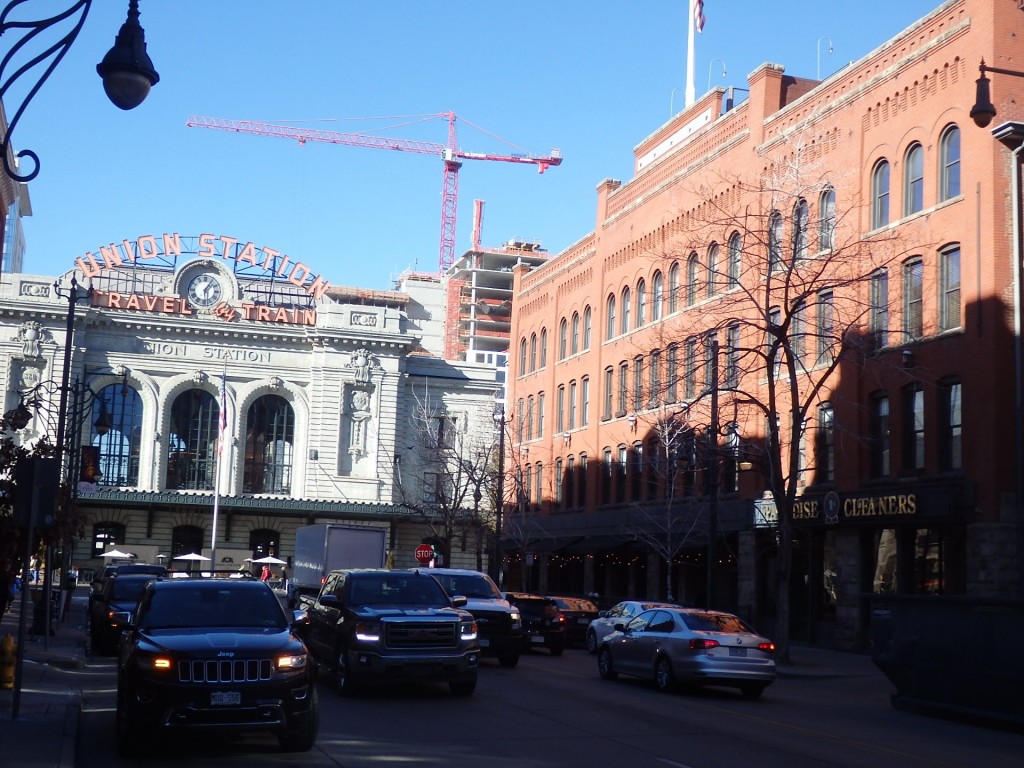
<point x="222" y="432"/>
<point x="698" y="15"/>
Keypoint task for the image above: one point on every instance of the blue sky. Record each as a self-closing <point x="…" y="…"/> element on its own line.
<point x="590" y="78"/>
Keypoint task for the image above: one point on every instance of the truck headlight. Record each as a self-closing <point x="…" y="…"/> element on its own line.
<point x="368" y="633"/>
<point x="467" y="630"/>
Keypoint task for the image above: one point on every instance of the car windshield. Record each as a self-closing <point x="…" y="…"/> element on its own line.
<point x="128" y="590"/>
<point x="213" y="608"/>
<point x="715" y="622"/>
<point x="396" y="589"/>
<point x="468" y="585"/>
<point x="572" y="604"/>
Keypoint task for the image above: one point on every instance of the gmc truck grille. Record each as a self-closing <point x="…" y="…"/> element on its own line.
<point x="422" y="634"/>
<point x="225" y="671"/>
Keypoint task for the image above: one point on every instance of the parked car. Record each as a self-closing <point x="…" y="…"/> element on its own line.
<point x="112" y="569"/>
<point x="214" y="654"/>
<point x="499" y="622"/>
<point x="622" y="612"/>
<point x="578" y="613"/>
<point x="689" y="647"/>
<point x="110" y="611"/>
<point x="543" y="624"/>
<point x="379" y="626"/>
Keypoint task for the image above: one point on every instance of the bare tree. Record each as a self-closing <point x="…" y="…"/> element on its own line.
<point x="790" y="302"/>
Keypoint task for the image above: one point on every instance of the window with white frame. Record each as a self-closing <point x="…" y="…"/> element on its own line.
<point x="913" y="300"/>
<point x="827" y="219"/>
<point x="880" y="194"/>
<point x="913" y="180"/>
<point x="949" y="163"/>
<point x="949" y="288"/>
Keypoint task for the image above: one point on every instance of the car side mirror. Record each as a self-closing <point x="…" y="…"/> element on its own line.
<point x="300" y="618"/>
<point x="331" y="600"/>
<point x="460" y="601"/>
<point x="620" y="627"/>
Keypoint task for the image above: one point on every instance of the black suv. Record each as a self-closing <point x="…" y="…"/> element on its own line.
<point x="501" y="627"/>
<point x="110" y="610"/>
<point x="378" y="626"/>
<point x="213" y="653"/>
<point x="543" y="623"/>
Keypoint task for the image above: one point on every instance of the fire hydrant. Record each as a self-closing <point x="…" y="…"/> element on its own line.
<point x="8" y="653"/>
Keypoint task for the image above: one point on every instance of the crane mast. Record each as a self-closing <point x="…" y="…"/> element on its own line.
<point x="450" y="154"/>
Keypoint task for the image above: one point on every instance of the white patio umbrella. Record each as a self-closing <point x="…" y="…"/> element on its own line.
<point x="117" y="553"/>
<point x="271" y="560"/>
<point x="191" y="556"/>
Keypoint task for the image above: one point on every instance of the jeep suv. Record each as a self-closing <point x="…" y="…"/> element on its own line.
<point x="379" y="626"/>
<point x="499" y="622"/>
<point x="213" y="654"/>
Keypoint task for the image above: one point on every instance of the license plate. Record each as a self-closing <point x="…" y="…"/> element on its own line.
<point x="582" y="620"/>
<point x="484" y="642"/>
<point x="737" y="651"/>
<point x="225" y="699"/>
<point x="537" y="639"/>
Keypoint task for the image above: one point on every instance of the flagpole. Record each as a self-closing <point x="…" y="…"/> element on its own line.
<point x="221" y="440"/>
<point x="691" y="22"/>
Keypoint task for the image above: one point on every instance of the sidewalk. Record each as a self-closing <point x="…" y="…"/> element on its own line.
<point x="44" y="733"/>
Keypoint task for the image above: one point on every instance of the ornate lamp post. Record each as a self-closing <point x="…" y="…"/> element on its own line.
<point x="499" y="424"/>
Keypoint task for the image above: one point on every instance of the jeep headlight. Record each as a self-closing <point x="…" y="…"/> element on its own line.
<point x="154" y="662"/>
<point x="368" y="632"/>
<point x="296" y="661"/>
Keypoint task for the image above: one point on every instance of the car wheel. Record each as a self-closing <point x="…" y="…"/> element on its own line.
<point x="129" y="736"/>
<point x="463" y="687"/>
<point x="663" y="675"/>
<point x="591" y="642"/>
<point x="343" y="681"/>
<point x="605" y="667"/>
<point x="752" y="690"/>
<point x="509" y="660"/>
<point x="303" y="737"/>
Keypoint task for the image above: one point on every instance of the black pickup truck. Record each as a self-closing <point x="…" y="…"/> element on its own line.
<point x="377" y="626"/>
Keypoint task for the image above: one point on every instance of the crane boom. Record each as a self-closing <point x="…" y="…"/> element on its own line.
<point x="450" y="154"/>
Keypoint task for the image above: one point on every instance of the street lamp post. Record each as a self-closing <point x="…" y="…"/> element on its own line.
<point x="713" y="476"/>
<point x="499" y="424"/>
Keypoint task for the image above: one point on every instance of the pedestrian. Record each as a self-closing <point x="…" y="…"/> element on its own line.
<point x="284" y="579"/>
<point x="265" y="575"/>
<point x="6" y="583"/>
<point x="33" y="568"/>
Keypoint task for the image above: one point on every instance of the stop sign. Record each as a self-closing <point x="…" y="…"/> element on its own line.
<point x="424" y="553"/>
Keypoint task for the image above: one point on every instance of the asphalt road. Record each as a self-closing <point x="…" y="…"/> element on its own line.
<point x="556" y="712"/>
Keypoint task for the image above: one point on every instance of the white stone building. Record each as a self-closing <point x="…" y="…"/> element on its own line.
<point x="179" y="340"/>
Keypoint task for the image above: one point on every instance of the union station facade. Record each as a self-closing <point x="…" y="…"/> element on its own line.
<point x="209" y="373"/>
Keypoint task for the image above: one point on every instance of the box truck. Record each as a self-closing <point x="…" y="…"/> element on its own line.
<point x="326" y="547"/>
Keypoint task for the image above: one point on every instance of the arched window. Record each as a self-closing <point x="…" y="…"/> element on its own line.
<point x="800" y="230"/>
<point x="949" y="163"/>
<point x="713" y="266"/>
<point x="735" y="256"/>
<point x="543" y="347"/>
<point x="673" y="288"/>
<point x="575" y="345"/>
<point x="657" y="296"/>
<point x="913" y="180"/>
<point x="563" y="333"/>
<point x="522" y="356"/>
<point x="610" y="324"/>
<point x="827" y="219"/>
<point x="533" y="352"/>
<point x="641" y="303"/>
<point x="186" y="540"/>
<point x="586" y="328"/>
<point x="269" y="446"/>
<point x="624" y="327"/>
<point x="880" y="194"/>
<point x="774" y="241"/>
<point x="692" y="280"/>
<point x="113" y="457"/>
<point x="192" y="441"/>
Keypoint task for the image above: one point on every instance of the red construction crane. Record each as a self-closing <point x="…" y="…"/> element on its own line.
<point x="450" y="154"/>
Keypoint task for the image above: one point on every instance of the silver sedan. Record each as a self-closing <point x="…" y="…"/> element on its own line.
<point x="620" y="613"/>
<point x="689" y="647"/>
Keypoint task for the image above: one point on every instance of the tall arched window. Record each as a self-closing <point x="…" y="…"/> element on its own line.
<point x="543" y="347"/>
<point x="713" y="267"/>
<point x="641" y="303"/>
<point x="114" y="455"/>
<point x="624" y="327"/>
<point x="774" y="241"/>
<point x="913" y="180"/>
<point x="673" y="288"/>
<point x="657" y="296"/>
<point x="610" y="311"/>
<point x="949" y="163"/>
<point x="269" y="446"/>
<point x="735" y="256"/>
<point x="533" y="352"/>
<point x="692" y="280"/>
<point x="522" y="356"/>
<point x="192" y="442"/>
<point x="827" y="219"/>
<point x="563" y="339"/>
<point x="575" y="344"/>
<point x="586" y="327"/>
<point x="800" y="230"/>
<point x="880" y="194"/>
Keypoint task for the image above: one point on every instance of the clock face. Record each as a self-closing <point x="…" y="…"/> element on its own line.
<point x="204" y="290"/>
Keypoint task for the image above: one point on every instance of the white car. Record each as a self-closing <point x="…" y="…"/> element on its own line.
<point x="620" y="613"/>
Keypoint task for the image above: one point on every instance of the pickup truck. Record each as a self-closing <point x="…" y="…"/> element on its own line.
<point x="379" y="626"/>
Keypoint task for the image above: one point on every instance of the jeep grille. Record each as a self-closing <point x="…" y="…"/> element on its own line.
<point x="224" y="671"/>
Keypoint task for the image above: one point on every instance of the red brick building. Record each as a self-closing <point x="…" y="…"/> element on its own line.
<point x="842" y="255"/>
